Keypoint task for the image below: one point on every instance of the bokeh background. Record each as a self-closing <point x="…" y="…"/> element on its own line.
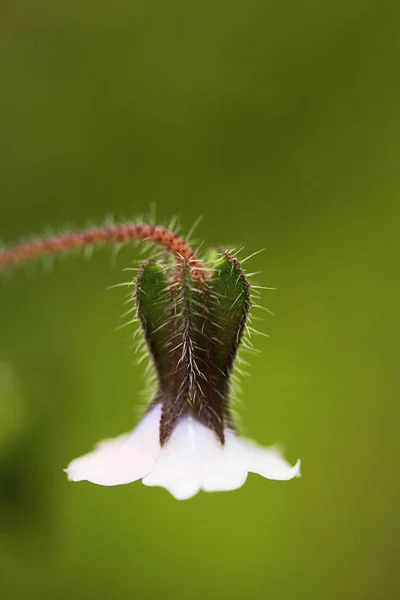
<point x="279" y="122"/>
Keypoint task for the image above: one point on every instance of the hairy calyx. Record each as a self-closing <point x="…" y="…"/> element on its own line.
<point x="193" y="329"/>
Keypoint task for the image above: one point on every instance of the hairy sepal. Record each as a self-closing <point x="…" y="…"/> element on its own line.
<point x="153" y="301"/>
<point x="191" y="388"/>
<point x="229" y="308"/>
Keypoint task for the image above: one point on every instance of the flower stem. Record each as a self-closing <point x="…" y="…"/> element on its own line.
<point x="171" y="242"/>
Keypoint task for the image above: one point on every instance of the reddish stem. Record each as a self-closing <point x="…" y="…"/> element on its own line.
<point x="117" y="233"/>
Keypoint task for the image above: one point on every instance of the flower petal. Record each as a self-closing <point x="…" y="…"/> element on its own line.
<point x="267" y="462"/>
<point x="123" y="459"/>
<point x="194" y="459"/>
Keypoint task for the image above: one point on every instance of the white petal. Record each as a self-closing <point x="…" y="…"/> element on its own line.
<point x="123" y="459"/>
<point x="267" y="462"/>
<point x="194" y="459"/>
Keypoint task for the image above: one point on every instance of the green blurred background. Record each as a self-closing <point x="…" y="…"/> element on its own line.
<point x="280" y="123"/>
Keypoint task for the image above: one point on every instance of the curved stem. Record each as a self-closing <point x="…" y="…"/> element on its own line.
<point x="170" y="241"/>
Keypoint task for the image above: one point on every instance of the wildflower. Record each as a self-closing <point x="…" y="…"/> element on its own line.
<point x="187" y="441"/>
<point x="193" y="323"/>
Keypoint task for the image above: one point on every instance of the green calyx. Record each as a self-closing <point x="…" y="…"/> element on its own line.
<point x="230" y="307"/>
<point x="154" y="307"/>
<point x="193" y="327"/>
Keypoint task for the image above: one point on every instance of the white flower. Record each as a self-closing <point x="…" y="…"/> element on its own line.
<point x="193" y="459"/>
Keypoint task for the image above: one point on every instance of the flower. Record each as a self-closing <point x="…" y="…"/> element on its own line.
<point x="187" y="440"/>
<point x="192" y="459"/>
